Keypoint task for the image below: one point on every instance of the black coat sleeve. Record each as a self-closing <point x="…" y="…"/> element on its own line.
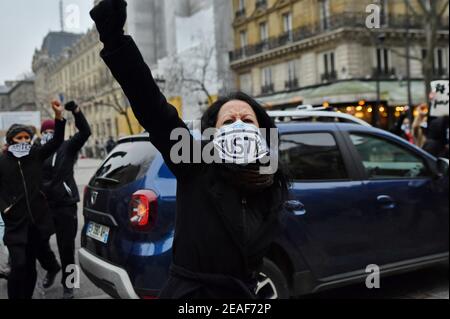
<point x="149" y="105"/>
<point x="52" y="146"/>
<point x="84" y="132"/>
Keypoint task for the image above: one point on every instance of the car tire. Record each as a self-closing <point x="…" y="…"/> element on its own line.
<point x="271" y="282"/>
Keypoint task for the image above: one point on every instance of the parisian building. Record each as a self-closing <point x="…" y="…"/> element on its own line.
<point x="321" y="53"/>
<point x="77" y="73"/>
<point x="18" y="96"/>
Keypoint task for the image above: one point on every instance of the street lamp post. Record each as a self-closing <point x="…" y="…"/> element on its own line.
<point x="376" y="112"/>
<point x="408" y="68"/>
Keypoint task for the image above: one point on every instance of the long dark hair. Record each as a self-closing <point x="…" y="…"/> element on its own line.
<point x="209" y="120"/>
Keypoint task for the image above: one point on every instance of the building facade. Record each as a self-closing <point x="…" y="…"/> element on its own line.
<point x="4" y="98"/>
<point x="18" y="96"/>
<point x="79" y="74"/>
<point x="197" y="66"/>
<point x="321" y="52"/>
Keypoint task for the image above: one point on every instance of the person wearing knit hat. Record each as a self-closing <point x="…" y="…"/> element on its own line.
<point x="48" y="125"/>
<point x="23" y="206"/>
<point x="47" y="131"/>
<point x="15" y="130"/>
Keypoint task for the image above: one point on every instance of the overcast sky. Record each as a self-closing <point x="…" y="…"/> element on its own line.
<point x="24" y="24"/>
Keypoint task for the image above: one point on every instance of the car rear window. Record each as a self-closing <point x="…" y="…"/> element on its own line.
<point x="127" y="163"/>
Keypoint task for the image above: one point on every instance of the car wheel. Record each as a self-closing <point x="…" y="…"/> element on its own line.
<point x="271" y="282"/>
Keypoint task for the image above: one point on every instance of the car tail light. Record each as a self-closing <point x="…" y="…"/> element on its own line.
<point x="143" y="210"/>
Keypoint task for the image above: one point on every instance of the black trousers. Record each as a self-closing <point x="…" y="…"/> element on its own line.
<point x="66" y="226"/>
<point x="22" y="279"/>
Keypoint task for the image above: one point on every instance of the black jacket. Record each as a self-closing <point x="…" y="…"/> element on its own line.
<point x="20" y="188"/>
<point x="437" y="137"/>
<point x="59" y="182"/>
<point x="211" y="231"/>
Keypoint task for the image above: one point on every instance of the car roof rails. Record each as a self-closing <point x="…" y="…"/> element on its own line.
<point x="318" y="114"/>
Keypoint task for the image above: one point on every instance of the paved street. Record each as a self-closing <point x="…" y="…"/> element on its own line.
<point x="429" y="283"/>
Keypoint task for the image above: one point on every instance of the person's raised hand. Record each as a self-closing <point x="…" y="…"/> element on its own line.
<point x="110" y="17"/>
<point x="58" y="109"/>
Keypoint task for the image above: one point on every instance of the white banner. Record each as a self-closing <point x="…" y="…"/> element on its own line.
<point x="439" y="102"/>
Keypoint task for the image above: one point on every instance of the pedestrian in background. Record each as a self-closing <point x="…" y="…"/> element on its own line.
<point x="437" y="137"/>
<point x="23" y="206"/>
<point x="61" y="189"/>
<point x="420" y="125"/>
<point x="403" y="127"/>
<point x="110" y="145"/>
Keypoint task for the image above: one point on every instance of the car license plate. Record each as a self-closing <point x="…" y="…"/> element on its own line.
<point x="98" y="232"/>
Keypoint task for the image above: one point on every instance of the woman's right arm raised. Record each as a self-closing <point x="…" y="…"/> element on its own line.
<point x="128" y="67"/>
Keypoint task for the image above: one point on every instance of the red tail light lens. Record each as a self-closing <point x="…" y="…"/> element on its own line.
<point x="143" y="210"/>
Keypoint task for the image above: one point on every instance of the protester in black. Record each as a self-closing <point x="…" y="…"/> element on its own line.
<point x="62" y="193"/>
<point x="110" y="144"/>
<point x="227" y="215"/>
<point x="437" y="137"/>
<point x="23" y="206"/>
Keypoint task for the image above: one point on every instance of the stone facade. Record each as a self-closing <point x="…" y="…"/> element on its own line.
<point x="79" y="74"/>
<point x="286" y="46"/>
<point x="18" y="96"/>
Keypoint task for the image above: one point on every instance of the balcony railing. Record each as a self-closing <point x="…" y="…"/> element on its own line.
<point x="384" y="74"/>
<point x="349" y="20"/>
<point x="269" y="88"/>
<point x="440" y="73"/>
<point x="329" y="77"/>
<point x="291" y="84"/>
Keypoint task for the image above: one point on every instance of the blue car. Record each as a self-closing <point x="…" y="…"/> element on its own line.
<point x="360" y="196"/>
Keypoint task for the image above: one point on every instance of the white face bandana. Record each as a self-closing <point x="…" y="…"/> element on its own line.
<point x="20" y="150"/>
<point x="46" y="137"/>
<point x="240" y="143"/>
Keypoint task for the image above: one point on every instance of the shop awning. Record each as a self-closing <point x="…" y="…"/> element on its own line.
<point x="394" y="92"/>
<point x="284" y="98"/>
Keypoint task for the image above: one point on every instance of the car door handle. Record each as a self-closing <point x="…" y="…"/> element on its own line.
<point x="296" y="207"/>
<point x="386" y="202"/>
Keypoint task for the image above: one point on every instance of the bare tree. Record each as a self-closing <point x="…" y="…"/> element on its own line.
<point x="107" y="86"/>
<point x="195" y="71"/>
<point x="431" y="12"/>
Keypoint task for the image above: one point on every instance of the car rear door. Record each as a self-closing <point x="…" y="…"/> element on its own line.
<point x="327" y="218"/>
<point x="407" y="205"/>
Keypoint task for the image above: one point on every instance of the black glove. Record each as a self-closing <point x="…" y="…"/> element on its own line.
<point x="71" y="106"/>
<point x="110" y="17"/>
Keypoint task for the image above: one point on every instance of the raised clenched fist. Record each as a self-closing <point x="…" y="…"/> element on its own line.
<point x="57" y="109"/>
<point x="110" y="17"/>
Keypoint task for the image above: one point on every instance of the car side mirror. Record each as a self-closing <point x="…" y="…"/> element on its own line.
<point x="442" y="166"/>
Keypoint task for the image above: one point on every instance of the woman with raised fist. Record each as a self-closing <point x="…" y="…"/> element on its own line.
<point x="228" y="212"/>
